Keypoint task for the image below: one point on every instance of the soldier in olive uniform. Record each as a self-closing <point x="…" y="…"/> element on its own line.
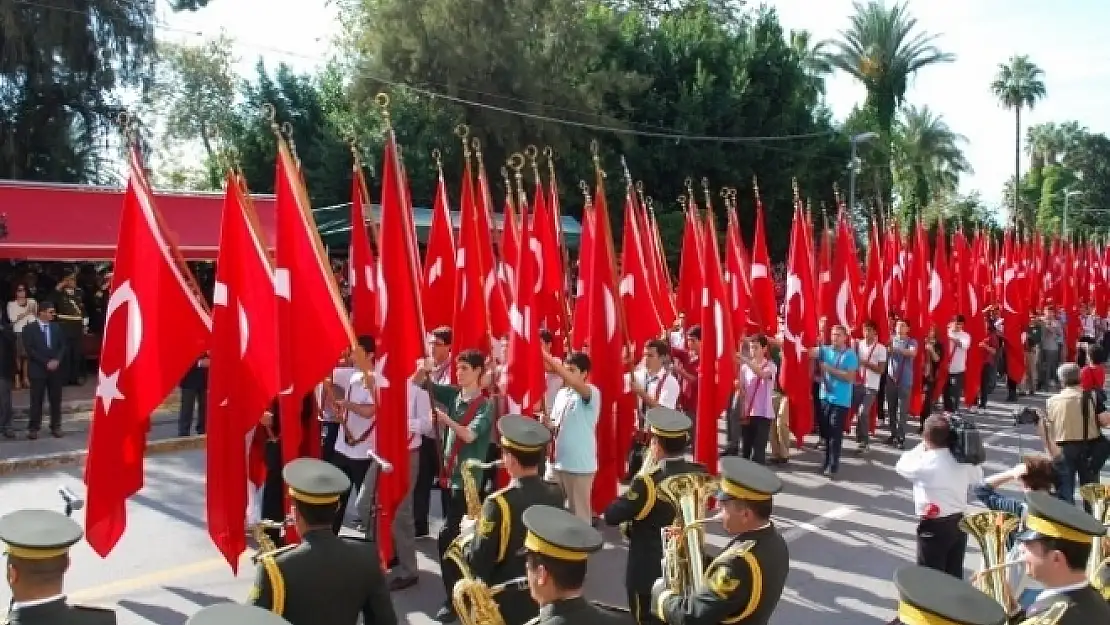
<point x="235" y="614"/>
<point x="38" y="543"/>
<point x="643" y="513"/>
<point x="557" y="547"/>
<point x="494" y="554"/>
<point x="71" y="317"/>
<point x="931" y="597"/>
<point x="324" y="580"/>
<point x="1057" y="541"/>
<point x="745" y="582"/>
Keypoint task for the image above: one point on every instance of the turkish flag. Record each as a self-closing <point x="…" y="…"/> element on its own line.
<point x="524" y="361"/>
<point x="471" y="327"/>
<point x="243" y="369"/>
<point x="845" y="307"/>
<point x="364" y="298"/>
<point x="737" y="269"/>
<point x="509" y="250"/>
<point x="313" y="329"/>
<point x="875" y="306"/>
<point x="717" y="365"/>
<point x="400" y="345"/>
<point x="796" y="377"/>
<point x="497" y="303"/>
<point x="657" y="265"/>
<point x="690" y="282"/>
<point x="438" y="295"/>
<point x="1015" y="308"/>
<point x="764" y="306"/>
<point x="551" y="301"/>
<point x="580" y="330"/>
<point x="155" y="328"/>
<point x="635" y="285"/>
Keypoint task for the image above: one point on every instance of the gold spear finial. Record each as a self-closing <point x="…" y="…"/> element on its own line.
<point x="516" y="162"/>
<point x="437" y="158"/>
<point x="708" y="194"/>
<point x="382" y="100"/>
<point x="462" y="131"/>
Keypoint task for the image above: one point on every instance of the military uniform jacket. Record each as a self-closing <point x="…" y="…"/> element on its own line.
<point x="740" y="587"/>
<point x="327" y="580"/>
<point x="1086" y="607"/>
<point x="58" y="612"/>
<point x="646" y="514"/>
<point x="494" y="553"/>
<point x="578" y="611"/>
<point x="71" y="314"/>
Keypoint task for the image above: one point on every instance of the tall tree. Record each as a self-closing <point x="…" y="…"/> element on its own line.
<point x="1019" y="84"/>
<point x="928" y="159"/>
<point x="882" y="48"/>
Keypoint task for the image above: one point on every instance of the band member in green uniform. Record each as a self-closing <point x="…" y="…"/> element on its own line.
<point x="643" y="514"/>
<point x="932" y="597"/>
<point x="742" y="585"/>
<point x="71" y="317"/>
<point x="324" y="580"/>
<point x="235" y="614"/>
<point x="556" y="549"/>
<point x="468" y="419"/>
<point x="494" y="555"/>
<point x="37" y="545"/>
<point x="1057" y="541"/>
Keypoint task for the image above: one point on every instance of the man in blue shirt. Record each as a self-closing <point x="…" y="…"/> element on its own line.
<point x="899" y="372"/>
<point x="838" y="365"/>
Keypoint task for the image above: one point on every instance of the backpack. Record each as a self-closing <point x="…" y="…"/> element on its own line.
<point x="966" y="443"/>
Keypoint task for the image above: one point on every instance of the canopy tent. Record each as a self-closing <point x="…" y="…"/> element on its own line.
<point x="334" y="223"/>
<point x="81" y="223"/>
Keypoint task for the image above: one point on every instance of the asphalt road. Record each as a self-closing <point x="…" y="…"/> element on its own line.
<point x="846" y="539"/>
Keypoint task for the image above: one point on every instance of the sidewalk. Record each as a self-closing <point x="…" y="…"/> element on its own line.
<point x="46" y="452"/>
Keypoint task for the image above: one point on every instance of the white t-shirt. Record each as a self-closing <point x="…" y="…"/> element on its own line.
<point x="420" y="416"/>
<point x="341" y="376"/>
<point x="938" y="480"/>
<point x="554" y="383"/>
<point x="667" y="394"/>
<point x="959" y="343"/>
<point x="359" y="426"/>
<point x="873" y="354"/>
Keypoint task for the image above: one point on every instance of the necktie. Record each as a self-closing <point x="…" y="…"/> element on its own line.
<point x="46" y="333"/>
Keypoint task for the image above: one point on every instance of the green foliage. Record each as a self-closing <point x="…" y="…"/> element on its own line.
<point x="928" y="160"/>
<point x="1019" y="84"/>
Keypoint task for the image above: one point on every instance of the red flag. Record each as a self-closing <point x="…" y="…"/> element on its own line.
<point x="364" y="300"/>
<point x="243" y="369"/>
<point x="497" y="300"/>
<point x="969" y="303"/>
<point x="438" y="296"/>
<point x="524" y="361"/>
<point x="762" y="283"/>
<point x="551" y="301"/>
<point x="845" y="307"/>
<point x="400" y="344"/>
<point x="154" y="330"/>
<point x="581" y="318"/>
<point x="737" y="269"/>
<point x="796" y="377"/>
<point x="717" y="365"/>
<point x="875" y="306"/>
<point x="1015" y="309"/>
<point x="662" y="272"/>
<point x="509" y="248"/>
<point x="690" y="282"/>
<point x="308" y="297"/>
<point x="471" y="326"/>
<point x="635" y="285"/>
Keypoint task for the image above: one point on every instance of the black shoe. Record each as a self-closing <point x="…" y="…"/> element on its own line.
<point x="401" y="583"/>
<point x="446" y="615"/>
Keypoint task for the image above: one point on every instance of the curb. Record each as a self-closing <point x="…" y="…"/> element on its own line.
<point x="77" y="457"/>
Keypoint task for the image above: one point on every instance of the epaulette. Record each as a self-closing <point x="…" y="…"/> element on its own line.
<point x="502" y="491"/>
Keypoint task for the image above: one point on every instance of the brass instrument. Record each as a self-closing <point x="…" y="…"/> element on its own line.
<point x="470" y="485"/>
<point x="991" y="529"/>
<point x="1053" y="615"/>
<point x="1097" y="497"/>
<point x="456" y="551"/>
<point x="267" y="557"/>
<point x="689" y="493"/>
<point x="474" y="600"/>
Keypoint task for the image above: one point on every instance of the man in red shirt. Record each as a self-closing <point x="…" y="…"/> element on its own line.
<point x="685" y="367"/>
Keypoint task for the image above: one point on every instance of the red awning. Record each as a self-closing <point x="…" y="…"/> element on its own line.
<point x="76" y="222"/>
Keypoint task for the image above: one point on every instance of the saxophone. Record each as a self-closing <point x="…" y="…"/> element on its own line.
<point x="689" y="493"/>
<point x="991" y="529"/>
<point x="1098" y="566"/>
<point x="475" y="602"/>
<point x="456" y="551"/>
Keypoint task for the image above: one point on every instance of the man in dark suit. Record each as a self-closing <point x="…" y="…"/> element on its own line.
<point x="324" y="580"/>
<point x="37" y="543"/>
<point x="46" y="349"/>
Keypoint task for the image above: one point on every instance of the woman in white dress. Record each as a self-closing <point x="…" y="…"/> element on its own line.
<point x="21" y="310"/>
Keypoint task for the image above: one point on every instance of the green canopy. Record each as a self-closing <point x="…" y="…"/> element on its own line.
<point x="334" y="224"/>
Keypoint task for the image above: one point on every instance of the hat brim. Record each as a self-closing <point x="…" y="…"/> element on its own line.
<point x="1029" y="535"/>
<point x="723" y="496"/>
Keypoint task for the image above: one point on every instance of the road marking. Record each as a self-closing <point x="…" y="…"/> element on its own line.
<point x="817" y="523"/>
<point x="156" y="578"/>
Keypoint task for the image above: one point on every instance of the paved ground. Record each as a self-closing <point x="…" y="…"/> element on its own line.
<point x="846" y="539"/>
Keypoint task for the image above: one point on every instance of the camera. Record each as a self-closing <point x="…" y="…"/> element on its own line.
<point x="1026" y="416"/>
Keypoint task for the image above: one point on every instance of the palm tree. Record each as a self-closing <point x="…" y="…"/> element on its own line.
<point x="1019" y="84"/>
<point x="1044" y="143"/>
<point x="882" y="48"/>
<point x="928" y="158"/>
<point x="812" y="56"/>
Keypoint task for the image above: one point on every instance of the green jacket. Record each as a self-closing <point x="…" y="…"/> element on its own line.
<point x="481" y="425"/>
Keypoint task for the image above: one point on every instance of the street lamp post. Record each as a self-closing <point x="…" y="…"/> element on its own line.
<point x="853" y="164"/>
<point x="1067" y="196"/>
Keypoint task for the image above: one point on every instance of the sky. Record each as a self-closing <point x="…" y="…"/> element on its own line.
<point x="1067" y="39"/>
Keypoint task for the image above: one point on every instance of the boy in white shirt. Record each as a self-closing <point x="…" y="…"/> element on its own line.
<point x="358" y="419"/>
<point x="872" y="363"/>
<point x="959" y="342"/>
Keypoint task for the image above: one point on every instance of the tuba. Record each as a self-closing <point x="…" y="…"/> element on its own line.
<point x="991" y="530"/>
<point x="1053" y="615"/>
<point x="689" y="493"/>
<point x="1097" y="496"/>
<point x="456" y="551"/>
<point x="474" y="601"/>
